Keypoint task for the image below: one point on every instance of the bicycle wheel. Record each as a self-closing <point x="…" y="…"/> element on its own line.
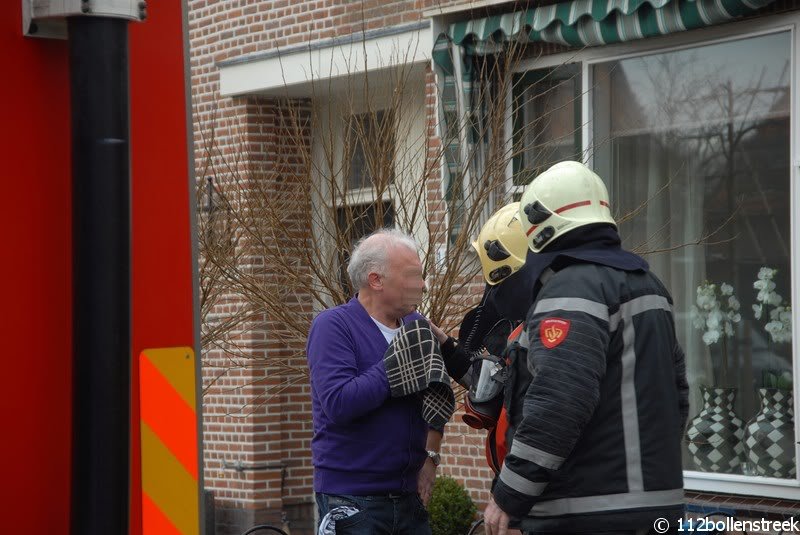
<point x="477" y="528"/>
<point x="263" y="529"/>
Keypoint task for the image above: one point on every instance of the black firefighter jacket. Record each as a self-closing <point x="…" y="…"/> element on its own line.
<point x="597" y="404"/>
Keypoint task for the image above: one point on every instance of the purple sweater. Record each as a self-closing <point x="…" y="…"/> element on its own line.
<point x="365" y="442"/>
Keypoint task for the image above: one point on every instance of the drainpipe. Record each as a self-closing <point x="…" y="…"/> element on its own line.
<point x="97" y="35"/>
<point x="101" y="229"/>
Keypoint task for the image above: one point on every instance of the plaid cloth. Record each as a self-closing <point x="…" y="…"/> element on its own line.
<point x="414" y="365"/>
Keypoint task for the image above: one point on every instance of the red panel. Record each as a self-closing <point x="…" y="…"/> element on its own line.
<point x="35" y="219"/>
<point x="36" y="270"/>
<point x="162" y="269"/>
<point x="162" y="276"/>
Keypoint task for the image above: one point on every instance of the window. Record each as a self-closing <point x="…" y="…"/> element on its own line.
<point x="369" y="160"/>
<point x="370" y="144"/>
<point x="547" y="122"/>
<point x="694" y="142"/>
<point x="697" y="140"/>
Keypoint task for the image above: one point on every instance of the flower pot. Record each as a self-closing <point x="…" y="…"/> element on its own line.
<point x="769" y="436"/>
<point x="715" y="436"/>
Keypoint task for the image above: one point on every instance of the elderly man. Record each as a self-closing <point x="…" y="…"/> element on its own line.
<point x="373" y="455"/>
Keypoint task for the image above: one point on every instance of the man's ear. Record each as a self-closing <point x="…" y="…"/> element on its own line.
<point x="375" y="281"/>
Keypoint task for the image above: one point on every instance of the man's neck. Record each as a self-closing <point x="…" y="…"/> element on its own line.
<point x="373" y="309"/>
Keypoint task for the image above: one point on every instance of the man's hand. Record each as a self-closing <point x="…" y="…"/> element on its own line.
<point x="495" y="520"/>
<point x="440" y="334"/>
<point x="425" y="481"/>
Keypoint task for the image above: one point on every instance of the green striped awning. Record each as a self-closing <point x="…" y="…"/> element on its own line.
<point x="599" y="22"/>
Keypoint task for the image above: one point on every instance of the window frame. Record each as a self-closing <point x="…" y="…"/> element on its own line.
<point x="734" y="31"/>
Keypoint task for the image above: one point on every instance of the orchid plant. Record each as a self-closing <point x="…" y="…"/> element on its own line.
<point x="779" y="325"/>
<point x="715" y="313"/>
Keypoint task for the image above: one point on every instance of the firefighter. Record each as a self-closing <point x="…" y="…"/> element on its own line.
<point x="501" y="248"/>
<point x="596" y="395"/>
<point x="476" y="360"/>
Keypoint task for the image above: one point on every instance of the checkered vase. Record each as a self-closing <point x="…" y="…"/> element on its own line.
<point x="715" y="438"/>
<point x="769" y="437"/>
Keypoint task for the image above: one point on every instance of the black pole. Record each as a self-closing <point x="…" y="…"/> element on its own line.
<point x="98" y="56"/>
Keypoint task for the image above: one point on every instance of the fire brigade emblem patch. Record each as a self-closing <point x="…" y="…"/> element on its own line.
<point x="553" y="331"/>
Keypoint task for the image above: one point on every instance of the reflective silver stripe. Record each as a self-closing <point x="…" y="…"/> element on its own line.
<point x="519" y="483"/>
<point x="573" y="304"/>
<point x="637" y="306"/>
<point x="645" y="303"/>
<point x="535" y="455"/>
<point x="610" y="502"/>
<point x="630" y="414"/>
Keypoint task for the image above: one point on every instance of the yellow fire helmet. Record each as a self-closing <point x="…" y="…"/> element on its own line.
<point x="567" y="196"/>
<point x="501" y="244"/>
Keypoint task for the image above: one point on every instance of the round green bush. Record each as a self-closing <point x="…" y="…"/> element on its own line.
<point x="451" y="509"/>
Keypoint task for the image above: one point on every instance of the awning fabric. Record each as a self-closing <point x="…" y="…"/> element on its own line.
<point x="599" y="22"/>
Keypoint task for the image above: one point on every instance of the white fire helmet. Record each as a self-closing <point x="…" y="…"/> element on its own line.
<point x="567" y="196"/>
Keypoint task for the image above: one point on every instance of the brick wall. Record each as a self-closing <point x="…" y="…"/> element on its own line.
<point x="257" y="430"/>
<point x="222" y="29"/>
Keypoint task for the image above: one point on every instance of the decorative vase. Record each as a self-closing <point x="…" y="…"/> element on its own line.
<point x="716" y="435"/>
<point x="769" y="437"/>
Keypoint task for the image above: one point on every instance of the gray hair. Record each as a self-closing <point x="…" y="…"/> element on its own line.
<point x="370" y="256"/>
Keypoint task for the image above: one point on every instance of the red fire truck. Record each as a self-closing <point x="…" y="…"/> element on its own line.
<point x="100" y="406"/>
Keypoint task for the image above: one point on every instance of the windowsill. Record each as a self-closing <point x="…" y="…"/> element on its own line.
<point x="359" y="196"/>
<point x="704" y="504"/>
<point x="742" y="485"/>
